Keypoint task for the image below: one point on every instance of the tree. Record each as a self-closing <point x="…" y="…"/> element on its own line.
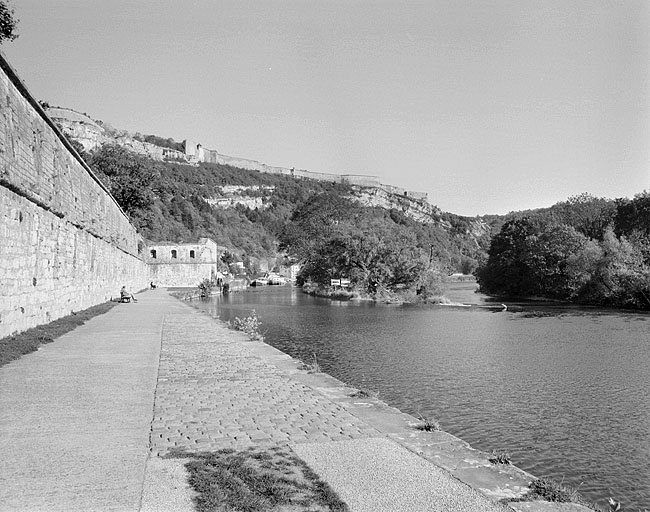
<point x="228" y="258"/>
<point x="550" y="261"/>
<point x="8" y="23"/>
<point x="633" y="214"/>
<point x="333" y="237"/>
<point x="587" y="214"/>
<point x="508" y="270"/>
<point x="128" y="177"/>
<point x="620" y="276"/>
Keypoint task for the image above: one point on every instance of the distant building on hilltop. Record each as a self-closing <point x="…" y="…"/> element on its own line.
<point x="91" y="134"/>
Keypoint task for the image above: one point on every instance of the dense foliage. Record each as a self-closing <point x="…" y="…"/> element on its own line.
<point x="170" y="201"/>
<point x="161" y="141"/>
<point x="8" y="23"/>
<point x="333" y="238"/>
<point x="587" y="250"/>
<point x="321" y="225"/>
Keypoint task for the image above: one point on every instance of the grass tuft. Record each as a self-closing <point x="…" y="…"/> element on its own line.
<point x="549" y="490"/>
<point x="312" y="367"/>
<point x="255" y="479"/>
<point x="499" y="457"/>
<point x="428" y="424"/>
<point x="362" y="393"/>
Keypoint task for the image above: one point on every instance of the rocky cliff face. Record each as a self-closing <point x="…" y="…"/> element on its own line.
<point x="418" y="210"/>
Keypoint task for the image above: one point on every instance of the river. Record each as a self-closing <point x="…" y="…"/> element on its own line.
<point x="565" y="390"/>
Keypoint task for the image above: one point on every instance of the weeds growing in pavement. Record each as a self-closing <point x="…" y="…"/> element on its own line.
<point x="362" y="393"/>
<point x="428" y="424"/>
<point x="549" y="490"/>
<point x="312" y="367"/>
<point x="499" y="457"/>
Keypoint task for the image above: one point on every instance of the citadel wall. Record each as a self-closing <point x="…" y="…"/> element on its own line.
<point x="91" y="135"/>
<point x="65" y="244"/>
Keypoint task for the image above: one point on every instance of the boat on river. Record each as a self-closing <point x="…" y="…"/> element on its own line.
<point x="276" y="279"/>
<point x="269" y="279"/>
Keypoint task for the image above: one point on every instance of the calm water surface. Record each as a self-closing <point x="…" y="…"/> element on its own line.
<point x="565" y="390"/>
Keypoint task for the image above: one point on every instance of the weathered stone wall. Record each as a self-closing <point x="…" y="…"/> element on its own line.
<point x="182" y="264"/>
<point x="181" y="274"/>
<point x="361" y="181"/>
<point x="65" y="244"/>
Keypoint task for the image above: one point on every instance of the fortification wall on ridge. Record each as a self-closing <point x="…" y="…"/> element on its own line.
<point x="65" y="244"/>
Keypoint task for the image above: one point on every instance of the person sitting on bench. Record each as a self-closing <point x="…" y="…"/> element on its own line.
<point x="126" y="296"/>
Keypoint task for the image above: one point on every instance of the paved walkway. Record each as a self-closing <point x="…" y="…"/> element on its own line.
<point x="84" y="420"/>
<point x="215" y="391"/>
<point x="75" y="415"/>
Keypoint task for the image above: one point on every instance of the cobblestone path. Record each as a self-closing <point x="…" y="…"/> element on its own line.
<point x="215" y="392"/>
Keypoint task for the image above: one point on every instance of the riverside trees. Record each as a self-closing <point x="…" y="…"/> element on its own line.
<point x="335" y="237"/>
<point x="587" y="250"/>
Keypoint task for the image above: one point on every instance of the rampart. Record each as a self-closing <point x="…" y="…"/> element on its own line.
<point x="65" y="244"/>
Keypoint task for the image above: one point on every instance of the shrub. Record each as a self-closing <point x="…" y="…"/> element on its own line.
<point x="205" y="288"/>
<point x="499" y="457"/>
<point x="428" y="424"/>
<point x="250" y="325"/>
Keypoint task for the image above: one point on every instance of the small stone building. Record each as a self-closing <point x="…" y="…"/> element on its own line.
<point x="177" y="264"/>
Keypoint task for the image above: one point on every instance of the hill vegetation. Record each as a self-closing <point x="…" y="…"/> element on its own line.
<point x="586" y="250"/>
<point x="257" y="215"/>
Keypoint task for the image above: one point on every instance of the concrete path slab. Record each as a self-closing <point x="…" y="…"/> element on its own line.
<point x="373" y="475"/>
<point x="166" y="488"/>
<point x="75" y="415"/>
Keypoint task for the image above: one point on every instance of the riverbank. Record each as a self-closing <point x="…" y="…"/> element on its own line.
<point x="78" y="409"/>
<point x="498" y="482"/>
<point x="338" y="293"/>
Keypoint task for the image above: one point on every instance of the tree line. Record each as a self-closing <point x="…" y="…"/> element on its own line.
<point x="585" y="250"/>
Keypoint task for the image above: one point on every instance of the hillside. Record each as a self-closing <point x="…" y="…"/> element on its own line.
<point x="247" y="211"/>
<point x="587" y="249"/>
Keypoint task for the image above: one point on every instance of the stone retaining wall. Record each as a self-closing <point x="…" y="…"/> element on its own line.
<point x="65" y="244"/>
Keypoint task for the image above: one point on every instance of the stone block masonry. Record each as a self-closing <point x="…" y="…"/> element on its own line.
<point x="65" y="244"/>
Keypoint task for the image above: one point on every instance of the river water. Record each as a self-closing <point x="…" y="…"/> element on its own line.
<point x="565" y="390"/>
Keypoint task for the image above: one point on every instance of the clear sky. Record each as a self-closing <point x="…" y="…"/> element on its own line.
<point x="488" y="105"/>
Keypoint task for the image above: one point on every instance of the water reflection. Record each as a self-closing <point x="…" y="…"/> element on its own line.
<point x="565" y="390"/>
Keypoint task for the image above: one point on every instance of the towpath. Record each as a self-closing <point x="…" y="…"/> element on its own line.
<point x="86" y="421"/>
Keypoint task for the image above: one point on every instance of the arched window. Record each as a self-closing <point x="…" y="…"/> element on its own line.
<point x="174" y="254"/>
<point x="192" y="255"/>
<point x="153" y="254"/>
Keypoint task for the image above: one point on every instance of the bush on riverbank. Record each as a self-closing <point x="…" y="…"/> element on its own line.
<point x="329" y="292"/>
<point x="250" y="325"/>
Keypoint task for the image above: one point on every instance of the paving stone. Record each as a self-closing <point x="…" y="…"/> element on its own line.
<point x="209" y="375"/>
